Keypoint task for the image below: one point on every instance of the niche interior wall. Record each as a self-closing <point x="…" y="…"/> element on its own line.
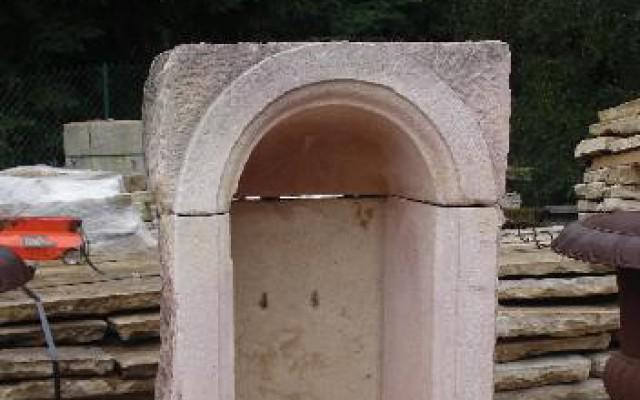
<point x="329" y="219"/>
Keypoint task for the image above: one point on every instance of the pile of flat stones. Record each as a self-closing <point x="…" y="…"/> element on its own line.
<point x="612" y="155"/>
<point x="556" y="325"/>
<point x="105" y="326"/>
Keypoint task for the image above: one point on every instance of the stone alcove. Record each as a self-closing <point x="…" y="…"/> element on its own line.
<point x="386" y="289"/>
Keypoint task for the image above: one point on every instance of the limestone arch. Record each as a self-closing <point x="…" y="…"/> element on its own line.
<point x="198" y="356"/>
<point x="223" y="128"/>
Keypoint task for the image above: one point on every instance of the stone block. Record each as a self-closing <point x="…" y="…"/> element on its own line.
<point x="140" y="361"/>
<point x="541" y="371"/>
<point x="65" y="332"/>
<point x="629" y="192"/>
<point x="586" y="206"/>
<point x="531" y="261"/>
<point x="596" y="175"/>
<point x="627" y="109"/>
<point x="77" y="140"/>
<point x="123" y="164"/>
<point x="590" y="191"/>
<point x="135" y="182"/>
<point x="89" y="388"/>
<point x="115" y="137"/>
<point x="35" y="363"/>
<point x="98" y="298"/>
<point x="613" y="160"/>
<point x="515" y="350"/>
<point x="556" y="288"/>
<point x="592" y="389"/>
<point x="625" y="144"/>
<point x="623" y="175"/>
<point x="556" y="321"/>
<point x="625" y="126"/>
<point x="615" y="204"/>
<point x="589" y="148"/>
<point x="136" y="326"/>
<point x="186" y="80"/>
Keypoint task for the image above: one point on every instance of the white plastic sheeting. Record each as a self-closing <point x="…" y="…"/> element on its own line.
<point x="109" y="219"/>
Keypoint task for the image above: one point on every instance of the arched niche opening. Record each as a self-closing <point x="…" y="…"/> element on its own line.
<point x="333" y="250"/>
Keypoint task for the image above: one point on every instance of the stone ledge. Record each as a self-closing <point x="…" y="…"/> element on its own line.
<point x="549" y="288"/>
<point x="136" y="326"/>
<point x="592" y="389"/>
<point x="541" y="371"/>
<point x="516" y="350"/>
<point x="556" y="321"/>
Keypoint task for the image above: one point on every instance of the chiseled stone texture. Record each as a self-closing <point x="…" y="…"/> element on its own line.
<point x="557" y="321"/>
<point x="183" y="82"/>
<point x="541" y="371"/>
<point x="592" y="389"/>
<point x="515" y="350"/>
<point x="550" y="288"/>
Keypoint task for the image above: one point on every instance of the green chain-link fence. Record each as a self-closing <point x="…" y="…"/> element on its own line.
<point x="34" y="105"/>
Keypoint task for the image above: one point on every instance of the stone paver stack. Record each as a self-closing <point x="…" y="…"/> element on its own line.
<point x="555" y="326"/>
<point x="106" y="329"/>
<point x="556" y="323"/>
<point x="612" y="154"/>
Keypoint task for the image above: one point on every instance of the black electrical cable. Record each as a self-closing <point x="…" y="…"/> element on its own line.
<point x="48" y="337"/>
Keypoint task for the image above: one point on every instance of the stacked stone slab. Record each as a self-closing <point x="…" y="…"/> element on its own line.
<point x="612" y="154"/>
<point x="556" y="323"/>
<point x="105" y="326"/>
<point x="555" y="328"/>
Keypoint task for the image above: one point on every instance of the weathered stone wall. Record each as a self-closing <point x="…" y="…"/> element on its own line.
<point x="612" y="154"/>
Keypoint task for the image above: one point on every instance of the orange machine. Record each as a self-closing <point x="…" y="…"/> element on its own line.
<point x="44" y="238"/>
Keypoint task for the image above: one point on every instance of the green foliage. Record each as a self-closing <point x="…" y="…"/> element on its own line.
<point x="570" y="58"/>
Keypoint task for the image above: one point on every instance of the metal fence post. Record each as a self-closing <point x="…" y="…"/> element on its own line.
<point x="106" y="100"/>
